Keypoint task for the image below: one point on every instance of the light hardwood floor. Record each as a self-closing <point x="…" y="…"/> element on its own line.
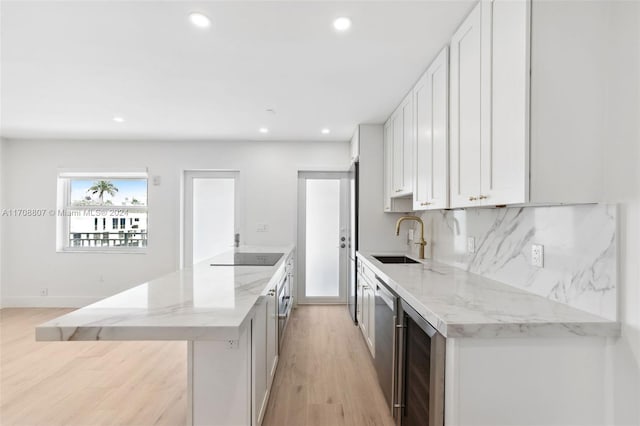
<point x="87" y="383"/>
<point x="325" y="376"/>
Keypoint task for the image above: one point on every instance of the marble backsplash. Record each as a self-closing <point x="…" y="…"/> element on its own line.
<point x="579" y="250"/>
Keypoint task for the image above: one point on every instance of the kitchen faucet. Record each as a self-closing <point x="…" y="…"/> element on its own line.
<point x="421" y="242"/>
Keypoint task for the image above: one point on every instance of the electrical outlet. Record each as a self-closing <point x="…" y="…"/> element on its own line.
<point x="411" y="234"/>
<point x="232" y="344"/>
<point x="537" y="255"/>
<point x="471" y="245"/>
<point x="44" y="291"/>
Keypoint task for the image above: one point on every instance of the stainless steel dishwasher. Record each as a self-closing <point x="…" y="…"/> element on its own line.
<point x="386" y="311"/>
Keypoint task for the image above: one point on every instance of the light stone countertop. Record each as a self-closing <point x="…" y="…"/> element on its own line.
<point x="199" y="303"/>
<point x="462" y="304"/>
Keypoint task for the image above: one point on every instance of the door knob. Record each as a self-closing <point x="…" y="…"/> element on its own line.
<point x="343" y="245"/>
<point x="342" y="239"/>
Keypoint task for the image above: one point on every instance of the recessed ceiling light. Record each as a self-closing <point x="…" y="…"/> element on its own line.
<point x="342" y="24"/>
<point x="325" y="131"/>
<point x="263" y="130"/>
<point x="200" y="20"/>
<point x="118" y="119"/>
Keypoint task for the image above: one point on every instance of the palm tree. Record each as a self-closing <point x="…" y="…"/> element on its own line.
<point x="101" y="187"/>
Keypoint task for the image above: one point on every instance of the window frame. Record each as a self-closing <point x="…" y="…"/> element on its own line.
<point x="64" y="179"/>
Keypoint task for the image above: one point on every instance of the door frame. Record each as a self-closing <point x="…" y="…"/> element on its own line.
<point x="186" y="217"/>
<point x="343" y="259"/>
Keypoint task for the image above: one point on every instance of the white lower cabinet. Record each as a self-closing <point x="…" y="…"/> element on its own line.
<point x="367" y="303"/>
<point x="264" y="339"/>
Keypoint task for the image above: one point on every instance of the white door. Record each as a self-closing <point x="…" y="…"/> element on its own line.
<point x="210" y="214"/>
<point x="465" y="114"/>
<point x="323" y="221"/>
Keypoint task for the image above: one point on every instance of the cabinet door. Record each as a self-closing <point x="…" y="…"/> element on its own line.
<point x="465" y="111"/>
<point x="364" y="324"/>
<point x="397" y="164"/>
<point x="505" y="151"/>
<point x="272" y="335"/>
<point x="259" y="350"/>
<point x="407" y="144"/>
<point x="388" y="159"/>
<point x="431" y="106"/>
<point x="371" y="332"/>
<point x="360" y="300"/>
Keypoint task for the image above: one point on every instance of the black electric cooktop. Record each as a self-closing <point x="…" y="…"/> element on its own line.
<point x="248" y="259"/>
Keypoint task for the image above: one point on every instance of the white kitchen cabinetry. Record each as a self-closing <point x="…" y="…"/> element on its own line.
<point x="431" y="107"/>
<point x="527" y="85"/>
<point x="391" y="205"/>
<point x="465" y="114"/>
<point x="264" y="337"/>
<point x="367" y="303"/>
<point x="402" y="152"/>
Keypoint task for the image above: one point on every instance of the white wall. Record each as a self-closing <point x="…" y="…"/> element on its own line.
<point x="622" y="185"/>
<point x="268" y="185"/>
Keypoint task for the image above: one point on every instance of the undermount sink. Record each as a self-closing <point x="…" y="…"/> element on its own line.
<point x="394" y="259"/>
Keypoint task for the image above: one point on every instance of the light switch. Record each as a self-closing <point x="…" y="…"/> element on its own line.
<point x="262" y="227"/>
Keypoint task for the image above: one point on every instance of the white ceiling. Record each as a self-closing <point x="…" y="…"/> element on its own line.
<point x="69" y="67"/>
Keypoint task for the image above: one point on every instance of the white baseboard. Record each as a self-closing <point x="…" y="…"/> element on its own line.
<point x="49" y="301"/>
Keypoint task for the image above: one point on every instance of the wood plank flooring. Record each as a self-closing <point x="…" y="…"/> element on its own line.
<point x="325" y="376"/>
<point x="87" y="383"/>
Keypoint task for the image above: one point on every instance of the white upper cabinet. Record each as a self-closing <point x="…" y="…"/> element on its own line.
<point x="391" y="205"/>
<point x="431" y="122"/>
<point x="402" y="151"/>
<point x="525" y="109"/>
<point x="466" y="111"/>
<point x="505" y="142"/>
<point x="408" y="144"/>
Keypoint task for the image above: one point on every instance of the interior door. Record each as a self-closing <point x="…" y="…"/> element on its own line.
<point x="323" y="231"/>
<point x="210" y="214"/>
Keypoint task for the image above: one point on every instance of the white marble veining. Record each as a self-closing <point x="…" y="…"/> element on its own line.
<point x="579" y="243"/>
<point x="200" y="303"/>
<point x="463" y="304"/>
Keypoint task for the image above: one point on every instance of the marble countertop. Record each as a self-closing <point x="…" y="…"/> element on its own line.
<point x="462" y="304"/>
<point x="199" y="303"/>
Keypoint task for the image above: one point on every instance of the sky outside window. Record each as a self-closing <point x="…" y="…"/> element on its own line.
<point x="128" y="191"/>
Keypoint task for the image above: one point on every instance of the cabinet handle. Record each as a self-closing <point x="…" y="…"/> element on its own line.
<point x="472" y="198"/>
<point x="483" y="197"/>
<point x="426" y="203"/>
<point x="398" y="190"/>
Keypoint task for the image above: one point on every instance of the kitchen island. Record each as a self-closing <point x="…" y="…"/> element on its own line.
<point x="227" y="313"/>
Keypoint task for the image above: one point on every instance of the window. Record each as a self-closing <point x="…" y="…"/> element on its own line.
<point x="85" y="198"/>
